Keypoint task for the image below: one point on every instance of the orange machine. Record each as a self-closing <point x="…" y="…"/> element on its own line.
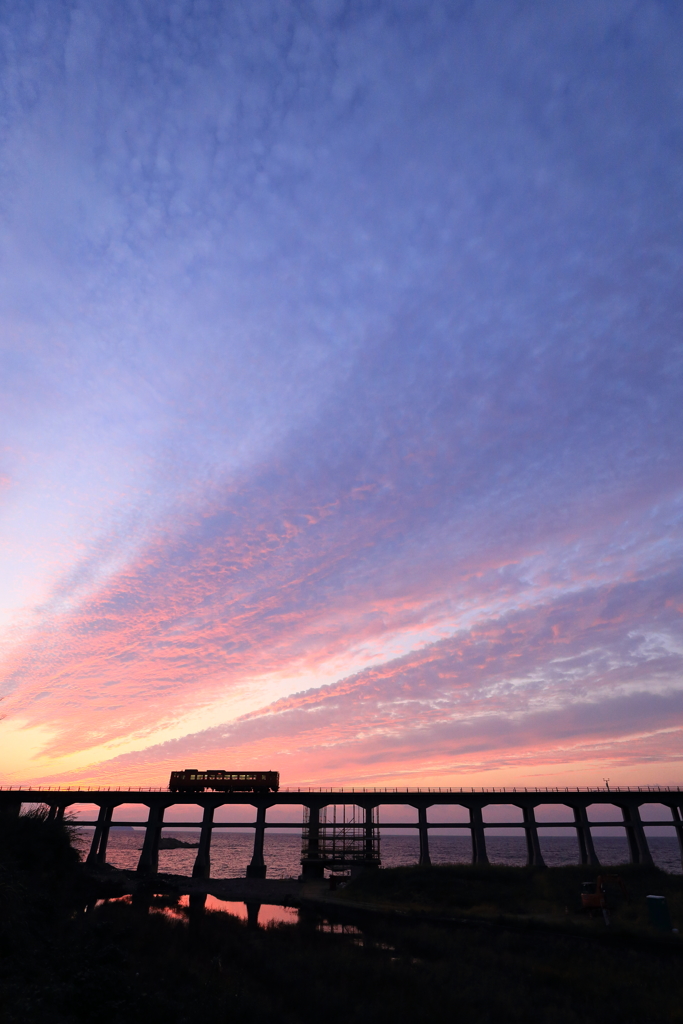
<point x="594" y="897"/>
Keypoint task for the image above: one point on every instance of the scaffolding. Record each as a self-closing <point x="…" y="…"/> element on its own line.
<point x="339" y="837"/>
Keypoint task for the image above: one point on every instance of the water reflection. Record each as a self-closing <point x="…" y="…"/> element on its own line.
<point x="356" y="930"/>
<point x="179" y="908"/>
<point x="261" y="913"/>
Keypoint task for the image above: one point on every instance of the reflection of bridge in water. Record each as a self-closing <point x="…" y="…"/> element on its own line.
<point x="320" y="849"/>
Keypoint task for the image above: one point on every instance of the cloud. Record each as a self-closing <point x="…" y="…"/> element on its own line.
<point x="332" y="335"/>
<point x="560" y="683"/>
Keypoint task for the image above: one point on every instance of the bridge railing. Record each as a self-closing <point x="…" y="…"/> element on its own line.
<point x="358" y="789"/>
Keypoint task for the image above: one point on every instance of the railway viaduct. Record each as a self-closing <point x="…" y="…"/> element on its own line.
<point x="158" y="801"/>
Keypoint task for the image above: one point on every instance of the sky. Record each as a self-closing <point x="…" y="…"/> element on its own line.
<point x="341" y="413"/>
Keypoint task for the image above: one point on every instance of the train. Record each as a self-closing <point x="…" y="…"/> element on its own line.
<point x="191" y="780"/>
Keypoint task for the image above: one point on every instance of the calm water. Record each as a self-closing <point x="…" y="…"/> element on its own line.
<point x="231" y="851"/>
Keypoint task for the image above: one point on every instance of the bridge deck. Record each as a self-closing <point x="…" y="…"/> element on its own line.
<point x="321" y="797"/>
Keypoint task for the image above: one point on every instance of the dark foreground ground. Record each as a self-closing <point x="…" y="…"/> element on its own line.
<point x="523" y="953"/>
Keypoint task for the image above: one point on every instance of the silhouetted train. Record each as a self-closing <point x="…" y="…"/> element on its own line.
<point x="193" y="781"/>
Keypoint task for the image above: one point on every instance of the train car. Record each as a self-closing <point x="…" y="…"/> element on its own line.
<point x="190" y="780"/>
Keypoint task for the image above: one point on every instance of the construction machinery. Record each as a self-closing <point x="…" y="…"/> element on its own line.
<point x="594" y="895"/>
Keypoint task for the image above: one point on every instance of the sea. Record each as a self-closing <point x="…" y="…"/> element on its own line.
<point x="231" y="851"/>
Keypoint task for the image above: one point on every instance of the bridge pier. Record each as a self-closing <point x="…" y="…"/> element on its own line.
<point x="638" y="849"/>
<point x="309" y="870"/>
<point x="423" y="828"/>
<point x="98" y="846"/>
<point x="104" y="839"/>
<point x="369" y="833"/>
<point x="479" y="854"/>
<point x="678" y="825"/>
<point x="257" y="868"/>
<point x="202" y="864"/>
<point x="149" y="858"/>
<point x="533" y="846"/>
<point x="587" y="854"/>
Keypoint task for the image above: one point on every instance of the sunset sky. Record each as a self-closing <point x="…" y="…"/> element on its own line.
<point x="341" y="391"/>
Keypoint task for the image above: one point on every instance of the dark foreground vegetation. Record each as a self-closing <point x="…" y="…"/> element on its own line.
<point x="525" y="896"/>
<point x="121" y="963"/>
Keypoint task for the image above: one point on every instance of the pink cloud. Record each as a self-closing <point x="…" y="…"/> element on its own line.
<point x="561" y="684"/>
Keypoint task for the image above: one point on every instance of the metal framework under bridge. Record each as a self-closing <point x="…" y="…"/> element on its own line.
<point x="313" y="801"/>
